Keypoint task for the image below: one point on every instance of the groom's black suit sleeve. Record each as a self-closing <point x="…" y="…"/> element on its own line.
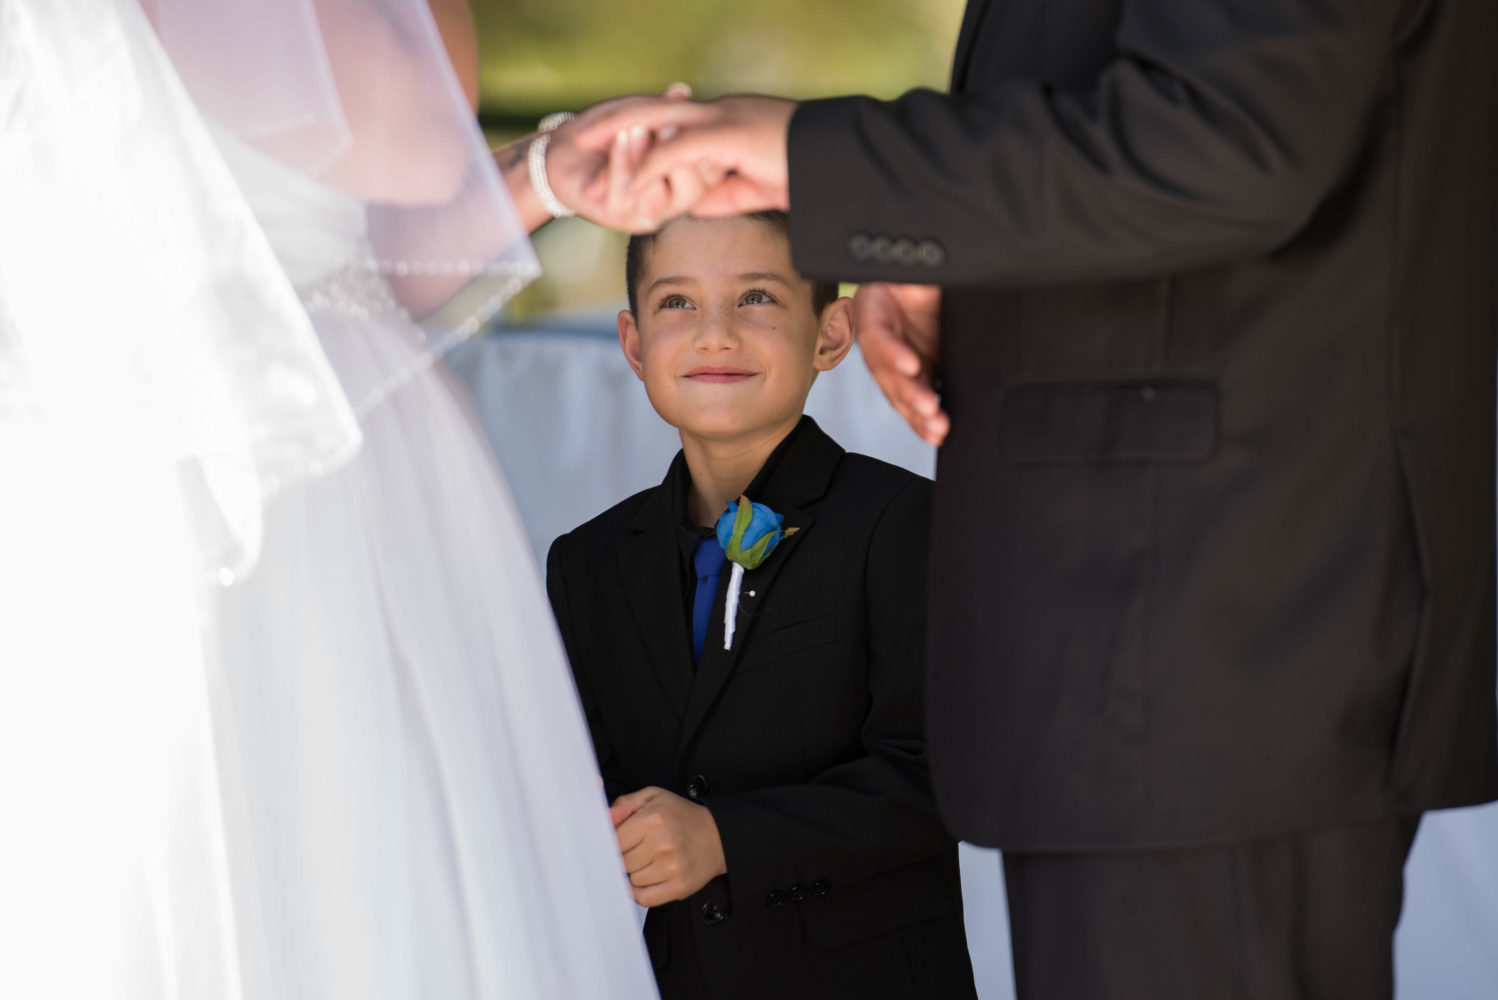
<point x="1217" y="346"/>
<point x="1212" y="133"/>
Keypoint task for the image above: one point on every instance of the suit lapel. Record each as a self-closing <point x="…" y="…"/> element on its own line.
<point x="650" y="574"/>
<point x="801" y="478"/>
<point x="972" y="17"/>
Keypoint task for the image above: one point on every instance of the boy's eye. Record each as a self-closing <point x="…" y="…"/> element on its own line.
<point x="674" y="302"/>
<point x="758" y="297"/>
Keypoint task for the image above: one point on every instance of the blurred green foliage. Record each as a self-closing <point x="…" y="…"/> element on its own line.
<point x="556" y="55"/>
<point x="542" y="55"/>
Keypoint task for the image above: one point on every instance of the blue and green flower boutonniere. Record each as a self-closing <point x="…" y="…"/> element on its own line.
<point x="748" y="533"/>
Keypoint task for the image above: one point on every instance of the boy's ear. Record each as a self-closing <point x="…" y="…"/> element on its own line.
<point x="629" y="339"/>
<point x="835" y="339"/>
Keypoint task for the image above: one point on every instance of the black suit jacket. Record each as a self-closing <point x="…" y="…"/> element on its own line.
<point x="805" y="740"/>
<point x="1213" y="548"/>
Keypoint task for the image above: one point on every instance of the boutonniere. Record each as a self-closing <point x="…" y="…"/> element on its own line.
<point x="748" y="533"/>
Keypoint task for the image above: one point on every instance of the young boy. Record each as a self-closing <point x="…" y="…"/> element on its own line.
<point x="766" y="767"/>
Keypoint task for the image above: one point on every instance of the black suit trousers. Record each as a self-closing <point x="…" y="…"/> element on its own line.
<point x="1302" y="917"/>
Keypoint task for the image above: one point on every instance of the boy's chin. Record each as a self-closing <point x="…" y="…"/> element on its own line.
<point x="731" y="424"/>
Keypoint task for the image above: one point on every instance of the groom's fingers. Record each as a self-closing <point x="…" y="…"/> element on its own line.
<point x="733" y="195"/>
<point x="888" y="321"/>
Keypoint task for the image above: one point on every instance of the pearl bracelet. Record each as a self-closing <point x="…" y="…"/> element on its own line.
<point x="536" y="161"/>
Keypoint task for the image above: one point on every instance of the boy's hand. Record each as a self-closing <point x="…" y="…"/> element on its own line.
<point x="670" y="845"/>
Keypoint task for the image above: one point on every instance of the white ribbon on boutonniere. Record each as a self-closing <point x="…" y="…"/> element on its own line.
<point x="748" y="532"/>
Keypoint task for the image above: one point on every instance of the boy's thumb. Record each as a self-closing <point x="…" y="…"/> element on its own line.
<point x="626" y="806"/>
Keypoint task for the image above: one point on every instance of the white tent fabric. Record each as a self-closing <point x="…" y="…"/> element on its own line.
<point x="576" y="434"/>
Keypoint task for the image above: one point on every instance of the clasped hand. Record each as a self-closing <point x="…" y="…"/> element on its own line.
<point x="670" y="845"/>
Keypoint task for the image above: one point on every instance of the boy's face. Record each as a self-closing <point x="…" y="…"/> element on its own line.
<point x="726" y="341"/>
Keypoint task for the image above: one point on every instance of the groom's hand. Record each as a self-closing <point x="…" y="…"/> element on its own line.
<point x="898" y="330"/>
<point x="670" y="845"/>
<point x="724" y="157"/>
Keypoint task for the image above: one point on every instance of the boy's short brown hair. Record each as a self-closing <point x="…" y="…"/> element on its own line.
<point x="823" y="293"/>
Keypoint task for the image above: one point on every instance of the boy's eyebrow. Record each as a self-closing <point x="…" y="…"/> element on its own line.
<point x="764" y="276"/>
<point x="670" y="279"/>
<point x="680" y="279"/>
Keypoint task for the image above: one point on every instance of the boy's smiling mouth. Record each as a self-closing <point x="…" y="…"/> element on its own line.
<point x="719" y="374"/>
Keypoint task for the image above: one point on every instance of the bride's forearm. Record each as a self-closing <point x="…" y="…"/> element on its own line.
<point x="515" y="169"/>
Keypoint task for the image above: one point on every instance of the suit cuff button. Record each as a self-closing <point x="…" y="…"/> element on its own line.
<point x="821" y="887"/>
<point x="858" y="246"/>
<point x="906" y="252"/>
<point x="798" y="892"/>
<point x="882" y="249"/>
<point x="775" y="899"/>
<point x="932" y="253"/>
<point x="712" y="913"/>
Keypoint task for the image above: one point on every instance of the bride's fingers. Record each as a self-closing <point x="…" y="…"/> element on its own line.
<point x="600" y="123"/>
<point x="621" y="167"/>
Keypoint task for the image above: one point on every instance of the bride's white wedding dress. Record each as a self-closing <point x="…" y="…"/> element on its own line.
<point x="352" y="767"/>
<point x="411" y="783"/>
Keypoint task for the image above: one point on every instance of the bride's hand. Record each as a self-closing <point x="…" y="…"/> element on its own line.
<point x="591" y="179"/>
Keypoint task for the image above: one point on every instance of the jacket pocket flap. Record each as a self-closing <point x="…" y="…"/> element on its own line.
<point x="1148" y="418"/>
<point x="849" y="914"/>
<point x="783" y="642"/>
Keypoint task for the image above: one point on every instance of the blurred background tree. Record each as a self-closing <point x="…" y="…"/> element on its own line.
<point x="552" y="55"/>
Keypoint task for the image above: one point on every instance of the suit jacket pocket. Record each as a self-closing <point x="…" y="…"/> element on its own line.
<point x="849" y="914"/>
<point x="786" y="641"/>
<point x="1144" y="418"/>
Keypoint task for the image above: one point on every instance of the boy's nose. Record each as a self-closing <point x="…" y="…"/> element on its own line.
<point x="717" y="331"/>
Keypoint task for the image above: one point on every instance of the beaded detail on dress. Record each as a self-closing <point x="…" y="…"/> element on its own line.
<point x="352" y="291"/>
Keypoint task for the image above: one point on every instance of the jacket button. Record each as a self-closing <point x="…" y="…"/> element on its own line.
<point x="775" y="898"/>
<point x="696" y="787"/>
<point x="712" y="913"/>
<point x="932" y="253"/>
<point x="821" y="887"/>
<point x="798" y="892"/>
<point x="858" y="246"/>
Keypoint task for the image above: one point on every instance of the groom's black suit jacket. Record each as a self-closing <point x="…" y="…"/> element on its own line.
<point x="805" y="740"/>
<point x="1213" y="550"/>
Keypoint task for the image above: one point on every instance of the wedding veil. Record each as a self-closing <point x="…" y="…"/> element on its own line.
<point x="160" y="379"/>
<point x="156" y="370"/>
<point x="360" y="95"/>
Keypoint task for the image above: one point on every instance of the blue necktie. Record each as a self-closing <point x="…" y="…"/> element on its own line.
<point x="707" y="563"/>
